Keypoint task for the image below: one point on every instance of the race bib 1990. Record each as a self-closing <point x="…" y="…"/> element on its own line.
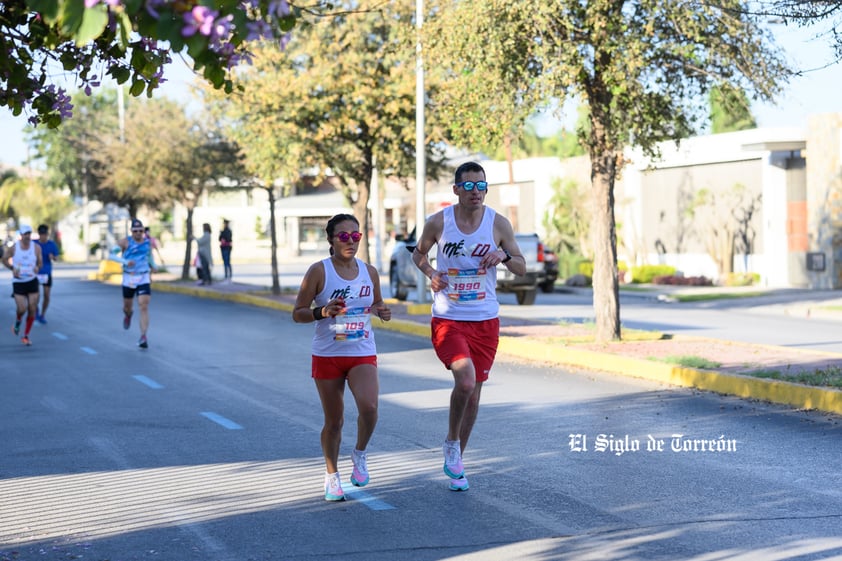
<point x="466" y="285"/>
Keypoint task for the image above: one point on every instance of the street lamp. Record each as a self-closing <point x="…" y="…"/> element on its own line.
<point x="420" y="151"/>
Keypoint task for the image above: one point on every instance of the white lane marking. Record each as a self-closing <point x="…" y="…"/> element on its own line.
<point x="368" y="500"/>
<point x="88" y="350"/>
<point x="58" y="335"/>
<point x="148" y="381"/>
<point x="220" y="420"/>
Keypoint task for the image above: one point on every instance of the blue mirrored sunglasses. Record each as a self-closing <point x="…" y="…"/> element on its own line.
<point x="469" y="185"/>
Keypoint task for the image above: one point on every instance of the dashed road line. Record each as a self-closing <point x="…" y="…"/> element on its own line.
<point x="148" y="382"/>
<point x="368" y="499"/>
<point x="220" y="420"/>
<point x="88" y="350"/>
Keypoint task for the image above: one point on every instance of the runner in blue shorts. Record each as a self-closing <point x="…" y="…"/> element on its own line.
<point x="137" y="268"/>
<point x="49" y="251"/>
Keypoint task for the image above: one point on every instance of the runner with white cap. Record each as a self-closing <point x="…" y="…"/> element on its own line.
<point x="24" y="260"/>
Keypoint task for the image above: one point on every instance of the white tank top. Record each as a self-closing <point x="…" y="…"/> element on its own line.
<point x="25" y="262"/>
<point x="471" y="294"/>
<point x="347" y="334"/>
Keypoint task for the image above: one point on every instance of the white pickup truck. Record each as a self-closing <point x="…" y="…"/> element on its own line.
<point x="402" y="271"/>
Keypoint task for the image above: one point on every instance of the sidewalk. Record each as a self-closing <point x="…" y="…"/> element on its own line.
<point x="537" y="341"/>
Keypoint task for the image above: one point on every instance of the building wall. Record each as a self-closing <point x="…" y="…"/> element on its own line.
<point x="824" y="197"/>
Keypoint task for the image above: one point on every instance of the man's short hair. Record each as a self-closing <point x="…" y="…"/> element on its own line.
<point x="468" y="167"/>
<point x="43" y="228"/>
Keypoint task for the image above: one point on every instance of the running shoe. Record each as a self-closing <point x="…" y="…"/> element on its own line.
<point x="40" y="319"/>
<point x="459" y="484"/>
<point x="359" y="477"/>
<point x="25" y="340"/>
<point x="16" y="328"/>
<point x="333" y="488"/>
<point x="453" y="467"/>
<point x="127" y="321"/>
<point x="142" y="342"/>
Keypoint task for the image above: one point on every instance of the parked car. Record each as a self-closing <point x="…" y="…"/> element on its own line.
<point x="403" y="273"/>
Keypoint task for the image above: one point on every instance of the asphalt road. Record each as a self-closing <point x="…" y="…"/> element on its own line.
<point x="787" y="318"/>
<point x="206" y="448"/>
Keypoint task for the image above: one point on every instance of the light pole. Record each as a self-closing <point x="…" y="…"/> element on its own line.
<point x="420" y="144"/>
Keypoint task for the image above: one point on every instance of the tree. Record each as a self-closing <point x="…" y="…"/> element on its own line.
<point x="131" y="40"/>
<point x="568" y="219"/>
<point x="724" y="221"/>
<point x="342" y="97"/>
<point x="69" y="152"/>
<point x="641" y="67"/>
<point x="29" y="197"/>
<point x="729" y="110"/>
<point x="164" y="157"/>
<point x="808" y="13"/>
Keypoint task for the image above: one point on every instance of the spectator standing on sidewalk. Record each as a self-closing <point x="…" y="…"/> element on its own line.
<point x="226" y="241"/>
<point x="49" y="251"/>
<point x="24" y="260"/>
<point x="204" y="249"/>
<point x="471" y="240"/>
<point x="346" y="293"/>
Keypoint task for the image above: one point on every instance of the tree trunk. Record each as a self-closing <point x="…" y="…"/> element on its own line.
<point x="606" y="288"/>
<point x="276" y="283"/>
<point x="360" y="207"/>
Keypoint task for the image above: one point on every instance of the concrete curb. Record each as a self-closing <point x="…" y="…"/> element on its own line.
<point x="776" y="391"/>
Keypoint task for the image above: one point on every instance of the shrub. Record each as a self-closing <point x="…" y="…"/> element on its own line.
<point x="682" y="281"/>
<point x="646" y="273"/>
<point x="586" y="268"/>
<point x="741" y="279"/>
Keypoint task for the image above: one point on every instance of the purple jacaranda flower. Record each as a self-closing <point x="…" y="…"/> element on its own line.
<point x="278" y="8"/>
<point x="152" y="7"/>
<point x="199" y="19"/>
<point x="284" y="41"/>
<point x="222" y="27"/>
<point x="258" y="30"/>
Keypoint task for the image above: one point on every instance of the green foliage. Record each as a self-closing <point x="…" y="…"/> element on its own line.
<point x="128" y="40"/>
<point x="821" y="377"/>
<point x="640" y="67"/>
<point x="33" y="199"/>
<point x="341" y="98"/>
<point x="690" y="361"/>
<point x="644" y="274"/>
<point x="568" y="218"/>
<point x="730" y="110"/>
<point x="586" y="268"/>
<point x="69" y="152"/>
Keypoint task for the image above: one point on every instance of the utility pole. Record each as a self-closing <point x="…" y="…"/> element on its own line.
<point x="420" y="148"/>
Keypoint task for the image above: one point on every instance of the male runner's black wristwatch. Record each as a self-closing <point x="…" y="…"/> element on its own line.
<point x="508" y="256"/>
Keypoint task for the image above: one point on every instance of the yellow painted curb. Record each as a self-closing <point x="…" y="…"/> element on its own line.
<point x="239" y="297"/>
<point x="419" y="309"/>
<point x="777" y="391"/>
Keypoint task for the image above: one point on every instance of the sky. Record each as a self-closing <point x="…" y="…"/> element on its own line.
<point x="817" y="91"/>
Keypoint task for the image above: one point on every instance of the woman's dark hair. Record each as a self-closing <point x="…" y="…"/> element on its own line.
<point x="468" y="167"/>
<point x="331" y="225"/>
